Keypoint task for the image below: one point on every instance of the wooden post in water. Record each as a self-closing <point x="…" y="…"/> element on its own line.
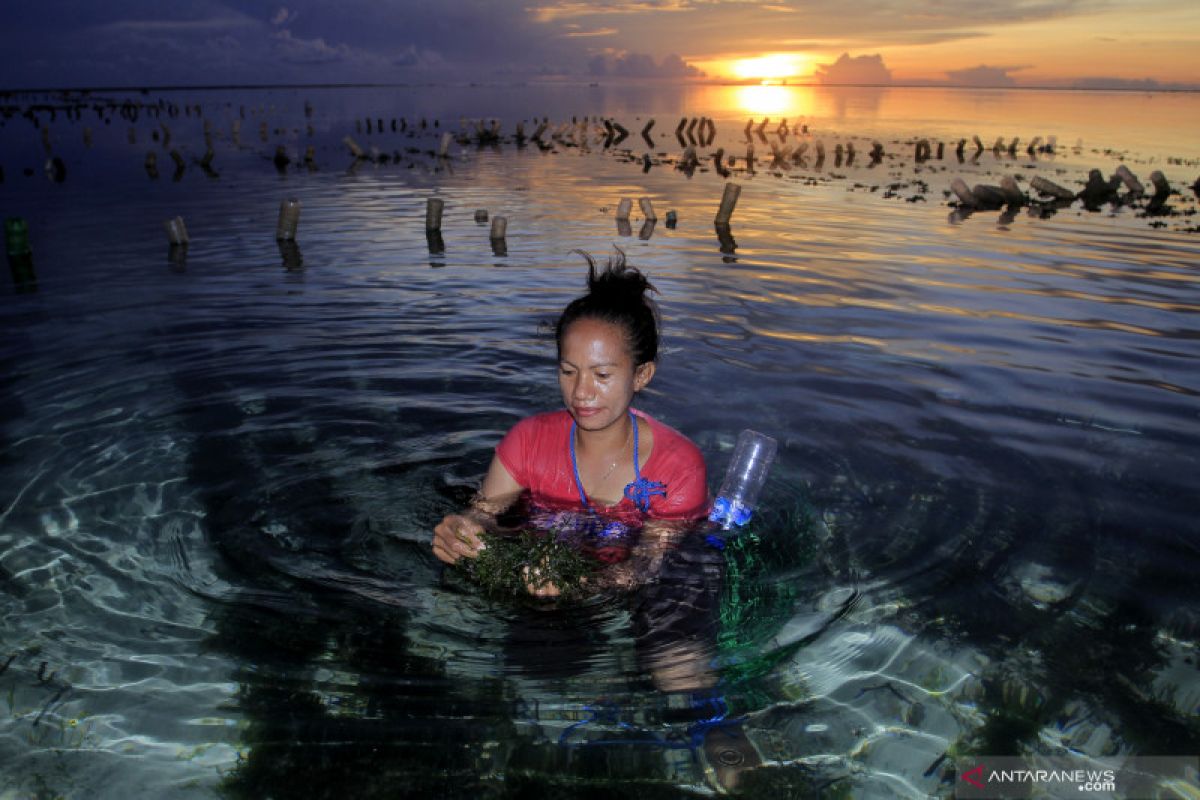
<point x="289" y="218"/>
<point x="433" y="213"/>
<point x="1159" y="181"/>
<point x="623" y="208"/>
<point x="987" y="196"/>
<point x="1013" y="195"/>
<point x="1130" y="180"/>
<point x="176" y="231"/>
<point x="647" y="209"/>
<point x="498" y="233"/>
<point x="16" y="237"/>
<point x="499" y="229"/>
<point x="1049" y="187"/>
<point x="728" y="203"/>
<point x="355" y="150"/>
<point x="963" y="192"/>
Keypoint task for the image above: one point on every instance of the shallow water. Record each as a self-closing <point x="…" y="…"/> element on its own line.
<point x="222" y="466"/>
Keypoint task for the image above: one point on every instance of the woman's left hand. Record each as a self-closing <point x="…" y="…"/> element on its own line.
<point x="543" y="589"/>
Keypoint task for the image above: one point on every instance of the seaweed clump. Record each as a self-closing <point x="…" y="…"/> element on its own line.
<point x="508" y="563"/>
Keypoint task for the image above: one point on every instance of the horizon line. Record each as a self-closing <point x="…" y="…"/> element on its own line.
<point x="592" y="82"/>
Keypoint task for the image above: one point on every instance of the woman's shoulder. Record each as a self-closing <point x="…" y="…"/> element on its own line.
<point x="670" y="445"/>
<point x="548" y="422"/>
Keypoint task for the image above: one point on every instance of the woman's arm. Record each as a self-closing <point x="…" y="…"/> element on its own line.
<point x="657" y="538"/>
<point x="457" y="535"/>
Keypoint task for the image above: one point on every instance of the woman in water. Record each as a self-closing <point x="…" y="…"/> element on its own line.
<point x="626" y="481"/>
<point x="632" y="487"/>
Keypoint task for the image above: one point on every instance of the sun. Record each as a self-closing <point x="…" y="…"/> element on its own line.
<point x="770" y="67"/>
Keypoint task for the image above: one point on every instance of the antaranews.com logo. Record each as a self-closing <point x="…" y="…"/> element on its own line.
<point x="988" y="777"/>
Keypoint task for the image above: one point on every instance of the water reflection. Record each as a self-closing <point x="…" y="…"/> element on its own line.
<point x="998" y="432"/>
<point x="774" y="100"/>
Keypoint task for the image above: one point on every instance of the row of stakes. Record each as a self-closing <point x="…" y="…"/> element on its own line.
<point x="20" y="254"/>
<point x="1097" y="190"/>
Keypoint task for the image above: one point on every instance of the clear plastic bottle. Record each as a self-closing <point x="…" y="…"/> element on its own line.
<point x="752" y="458"/>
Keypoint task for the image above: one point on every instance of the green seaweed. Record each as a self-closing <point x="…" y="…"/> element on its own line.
<point x="503" y="567"/>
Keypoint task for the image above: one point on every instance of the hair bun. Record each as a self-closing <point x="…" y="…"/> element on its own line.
<point x="616" y="278"/>
<point x="617" y="294"/>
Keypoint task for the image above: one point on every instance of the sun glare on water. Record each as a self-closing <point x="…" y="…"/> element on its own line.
<point x="774" y="101"/>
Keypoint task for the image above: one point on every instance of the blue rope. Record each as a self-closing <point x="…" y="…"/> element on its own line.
<point x="694" y="734"/>
<point x="640" y="491"/>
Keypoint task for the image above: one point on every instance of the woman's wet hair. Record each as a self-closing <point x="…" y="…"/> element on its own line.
<point x="617" y="294"/>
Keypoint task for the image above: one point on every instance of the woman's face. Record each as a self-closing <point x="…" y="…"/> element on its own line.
<point x="597" y="375"/>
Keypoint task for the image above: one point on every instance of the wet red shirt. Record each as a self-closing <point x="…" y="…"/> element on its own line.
<point x="537" y="453"/>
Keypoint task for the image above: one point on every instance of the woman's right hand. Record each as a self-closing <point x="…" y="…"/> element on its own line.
<point x="457" y="537"/>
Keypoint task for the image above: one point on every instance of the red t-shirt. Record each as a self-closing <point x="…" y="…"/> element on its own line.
<point x="537" y="454"/>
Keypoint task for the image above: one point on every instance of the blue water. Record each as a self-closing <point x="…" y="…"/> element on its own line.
<point x="222" y="466"/>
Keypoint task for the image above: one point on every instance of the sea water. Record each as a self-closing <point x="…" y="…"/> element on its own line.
<point x="221" y="465"/>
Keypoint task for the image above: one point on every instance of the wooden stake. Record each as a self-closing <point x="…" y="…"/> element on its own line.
<point x="728" y="203"/>
<point x="433" y="213"/>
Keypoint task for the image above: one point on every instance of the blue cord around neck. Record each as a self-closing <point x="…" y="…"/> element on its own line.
<point x="640" y="491"/>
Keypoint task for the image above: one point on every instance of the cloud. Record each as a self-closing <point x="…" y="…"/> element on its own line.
<point x="984" y="76"/>
<point x="581" y="34"/>
<point x="568" y="9"/>
<point x="72" y="42"/>
<point x="175" y="27"/>
<point x="642" y="65"/>
<point x="413" y="57"/>
<point x="854" y="70"/>
<point x="282" y="16"/>
<point x="307" y="51"/>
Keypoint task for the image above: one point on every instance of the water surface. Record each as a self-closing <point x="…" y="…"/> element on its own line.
<point x="223" y="465"/>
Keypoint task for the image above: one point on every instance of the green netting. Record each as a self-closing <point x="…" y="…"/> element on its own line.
<point x="754" y="604"/>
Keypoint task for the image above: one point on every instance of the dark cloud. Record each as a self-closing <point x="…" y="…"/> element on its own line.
<point x="1134" y="84"/>
<point x="642" y="65"/>
<point x="984" y="76"/>
<point x="294" y="50"/>
<point x="132" y="42"/>
<point x="861" y="70"/>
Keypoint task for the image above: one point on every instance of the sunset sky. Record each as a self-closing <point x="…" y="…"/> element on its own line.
<point x="1093" y="43"/>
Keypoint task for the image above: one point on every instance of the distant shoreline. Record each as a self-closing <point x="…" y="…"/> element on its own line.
<point x="88" y="90"/>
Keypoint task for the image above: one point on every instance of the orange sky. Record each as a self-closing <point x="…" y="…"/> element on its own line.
<point x="1122" y="43"/>
<point x="1027" y="42"/>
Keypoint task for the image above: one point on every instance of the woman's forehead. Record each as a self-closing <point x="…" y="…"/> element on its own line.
<point x="596" y="340"/>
